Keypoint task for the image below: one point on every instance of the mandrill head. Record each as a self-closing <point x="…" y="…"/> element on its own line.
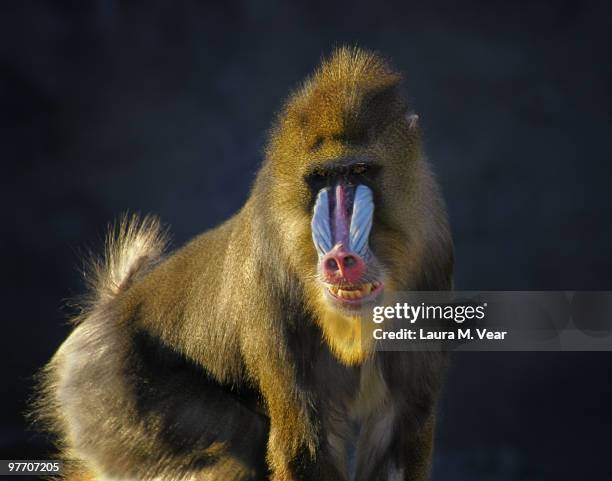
<point x="356" y="210"/>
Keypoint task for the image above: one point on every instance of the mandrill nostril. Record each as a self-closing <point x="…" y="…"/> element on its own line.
<point x="343" y="265"/>
<point x="349" y="261"/>
<point x="332" y="264"/>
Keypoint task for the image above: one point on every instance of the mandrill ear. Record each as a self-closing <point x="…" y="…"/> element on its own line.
<point x="412" y="119"/>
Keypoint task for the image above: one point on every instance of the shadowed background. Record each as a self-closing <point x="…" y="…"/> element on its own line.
<point x="106" y="106"/>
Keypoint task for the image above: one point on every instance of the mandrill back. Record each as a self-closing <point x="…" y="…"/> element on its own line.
<point x="238" y="356"/>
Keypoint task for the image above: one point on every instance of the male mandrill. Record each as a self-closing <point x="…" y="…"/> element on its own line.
<point x="239" y="356"/>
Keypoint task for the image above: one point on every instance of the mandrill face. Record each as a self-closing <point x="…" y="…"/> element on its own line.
<point x="342" y="219"/>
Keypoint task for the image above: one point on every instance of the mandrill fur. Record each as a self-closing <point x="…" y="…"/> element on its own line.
<point x="240" y="355"/>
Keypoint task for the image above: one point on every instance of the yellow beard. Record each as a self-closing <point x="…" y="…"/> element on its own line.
<point x="348" y="337"/>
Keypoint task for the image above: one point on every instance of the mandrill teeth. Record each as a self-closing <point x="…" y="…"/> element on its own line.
<point x="345" y="294"/>
<point x="354" y="293"/>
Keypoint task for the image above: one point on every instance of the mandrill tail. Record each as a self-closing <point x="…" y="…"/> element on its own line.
<point x="133" y="245"/>
<point x="62" y="396"/>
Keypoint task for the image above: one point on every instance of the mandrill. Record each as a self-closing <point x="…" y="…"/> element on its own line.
<point x="240" y="356"/>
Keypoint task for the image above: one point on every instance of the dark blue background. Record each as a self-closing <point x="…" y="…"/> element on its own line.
<point x="106" y="106"/>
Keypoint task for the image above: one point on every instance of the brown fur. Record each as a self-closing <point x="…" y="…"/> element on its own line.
<point x="210" y="363"/>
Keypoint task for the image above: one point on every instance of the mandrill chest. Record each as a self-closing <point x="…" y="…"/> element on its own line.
<point x="371" y="394"/>
<point x="359" y="415"/>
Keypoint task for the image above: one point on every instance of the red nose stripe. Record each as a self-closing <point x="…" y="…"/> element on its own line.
<point x="341" y="220"/>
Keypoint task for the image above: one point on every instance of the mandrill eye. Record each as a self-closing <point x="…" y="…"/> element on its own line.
<point x="359" y="169"/>
<point x="317" y="179"/>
